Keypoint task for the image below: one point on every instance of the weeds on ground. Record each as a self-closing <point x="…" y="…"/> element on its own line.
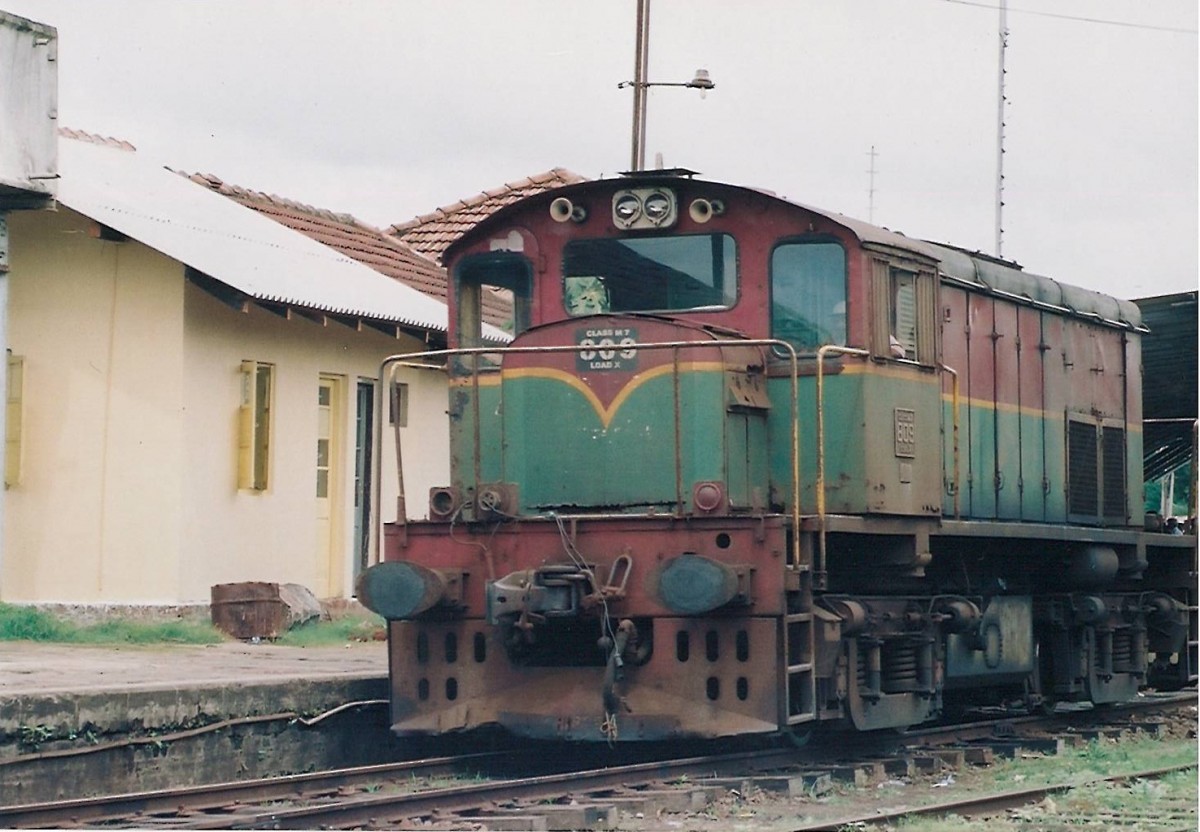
<point x="18" y="623"/>
<point x="1132" y="806"/>
<point x="352" y="628"/>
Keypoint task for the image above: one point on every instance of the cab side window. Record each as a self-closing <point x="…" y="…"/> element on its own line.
<point x="808" y="294"/>
<point x="493" y="289"/>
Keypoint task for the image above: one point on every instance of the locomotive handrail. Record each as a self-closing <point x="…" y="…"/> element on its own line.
<point x="819" y="576"/>
<point x="388" y="366"/>
<point x="954" y="404"/>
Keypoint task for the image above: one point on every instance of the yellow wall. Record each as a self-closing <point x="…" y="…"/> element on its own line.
<point x="271" y="535"/>
<point x="132" y="387"/>
<point x="96" y="515"/>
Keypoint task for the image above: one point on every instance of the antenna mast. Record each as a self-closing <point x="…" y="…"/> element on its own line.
<point x="871" y="189"/>
<point x="1000" y="131"/>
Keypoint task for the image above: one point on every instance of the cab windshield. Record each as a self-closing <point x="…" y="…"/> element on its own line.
<point x="649" y="274"/>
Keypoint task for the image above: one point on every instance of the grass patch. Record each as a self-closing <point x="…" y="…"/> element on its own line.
<point x="1136" y="806"/>
<point x="18" y="623"/>
<point x="28" y="624"/>
<point x="351" y="628"/>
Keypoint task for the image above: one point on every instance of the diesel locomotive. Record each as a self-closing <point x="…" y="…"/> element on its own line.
<point x="748" y="466"/>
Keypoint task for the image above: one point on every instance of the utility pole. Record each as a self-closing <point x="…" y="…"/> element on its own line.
<point x="640" y="59"/>
<point x="700" y="81"/>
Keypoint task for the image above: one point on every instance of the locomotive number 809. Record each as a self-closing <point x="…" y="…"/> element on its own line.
<point x="738" y="465"/>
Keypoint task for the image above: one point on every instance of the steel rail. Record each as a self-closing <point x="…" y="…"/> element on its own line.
<point x="80" y="810"/>
<point x="990" y="803"/>
<point x="218" y="800"/>
<point x="379" y="809"/>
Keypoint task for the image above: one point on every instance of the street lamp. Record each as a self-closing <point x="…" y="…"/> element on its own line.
<point x="700" y="81"/>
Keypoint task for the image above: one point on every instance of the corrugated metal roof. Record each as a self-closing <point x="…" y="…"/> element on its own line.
<point x="357" y="240"/>
<point x="229" y="242"/>
<point x="1169" y="381"/>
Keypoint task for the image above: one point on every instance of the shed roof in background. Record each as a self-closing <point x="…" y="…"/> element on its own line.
<point x="356" y="239"/>
<point x="1169" y="381"/>
<point x="219" y="238"/>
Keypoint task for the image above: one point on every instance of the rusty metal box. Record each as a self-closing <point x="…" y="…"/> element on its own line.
<point x="251" y="609"/>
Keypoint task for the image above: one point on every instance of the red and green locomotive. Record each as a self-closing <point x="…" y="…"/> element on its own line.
<point x="746" y="466"/>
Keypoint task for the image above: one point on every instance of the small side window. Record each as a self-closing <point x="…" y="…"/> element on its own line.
<point x="398" y="404"/>
<point x="902" y="335"/>
<point x="14" y="417"/>
<point x="254" y="425"/>
<point x="904" y="321"/>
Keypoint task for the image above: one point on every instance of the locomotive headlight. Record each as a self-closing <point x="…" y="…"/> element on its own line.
<point x="658" y="207"/>
<point x="637" y="208"/>
<point x="627" y="208"/>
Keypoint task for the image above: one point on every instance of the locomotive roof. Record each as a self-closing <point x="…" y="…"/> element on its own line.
<point x="975" y="270"/>
<point x="1007" y="279"/>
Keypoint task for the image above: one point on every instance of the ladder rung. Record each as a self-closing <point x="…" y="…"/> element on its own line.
<point x="805" y="667"/>
<point x="795" y="719"/>
<point x="793" y="617"/>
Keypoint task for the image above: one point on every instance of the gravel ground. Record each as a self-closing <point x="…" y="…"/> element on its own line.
<point x="762" y="811"/>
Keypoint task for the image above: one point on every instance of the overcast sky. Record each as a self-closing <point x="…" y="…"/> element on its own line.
<point x="389" y="109"/>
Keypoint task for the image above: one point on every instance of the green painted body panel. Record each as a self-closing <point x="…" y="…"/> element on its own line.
<point x="561" y="454"/>
<point x="462" y="435"/>
<point x="546" y="436"/>
<point x="981" y="458"/>
<point x="1008" y="465"/>
<point x="747" y="459"/>
<point x="844" y="461"/>
<point x="863" y="472"/>
<point x="1056" y="470"/>
<point x="1032" y="463"/>
<point x="1033" y="469"/>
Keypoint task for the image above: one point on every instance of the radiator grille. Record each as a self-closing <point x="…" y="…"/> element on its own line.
<point x="1082" y="469"/>
<point x="1112" y="442"/>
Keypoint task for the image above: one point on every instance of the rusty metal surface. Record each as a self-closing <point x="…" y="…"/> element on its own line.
<point x="251" y="609"/>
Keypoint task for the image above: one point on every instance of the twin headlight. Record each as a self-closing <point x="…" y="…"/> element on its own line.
<point x="644" y="208"/>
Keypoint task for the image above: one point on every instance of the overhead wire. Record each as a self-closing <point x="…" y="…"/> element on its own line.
<point x="1078" y="18"/>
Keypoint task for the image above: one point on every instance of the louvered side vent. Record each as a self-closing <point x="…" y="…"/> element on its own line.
<point x="1082" y="480"/>
<point x="1112" y="442"/>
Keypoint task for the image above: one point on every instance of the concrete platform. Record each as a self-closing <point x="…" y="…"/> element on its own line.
<point x="76" y="721"/>
<point x="30" y="668"/>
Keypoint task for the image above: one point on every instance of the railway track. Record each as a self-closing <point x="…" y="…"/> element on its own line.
<point x="589" y="794"/>
<point x="982" y="806"/>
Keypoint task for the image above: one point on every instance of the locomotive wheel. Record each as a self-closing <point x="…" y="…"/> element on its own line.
<point x="800" y="735"/>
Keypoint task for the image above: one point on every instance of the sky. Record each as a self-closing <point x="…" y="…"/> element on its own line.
<point x="388" y="109"/>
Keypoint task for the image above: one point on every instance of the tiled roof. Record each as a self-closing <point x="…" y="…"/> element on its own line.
<point x="107" y="141"/>
<point x="432" y="233"/>
<point x="341" y="232"/>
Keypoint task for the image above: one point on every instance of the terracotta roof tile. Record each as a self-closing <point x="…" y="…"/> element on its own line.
<point x="94" y="138"/>
<point x="355" y="239"/>
<point x="432" y="233"/>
